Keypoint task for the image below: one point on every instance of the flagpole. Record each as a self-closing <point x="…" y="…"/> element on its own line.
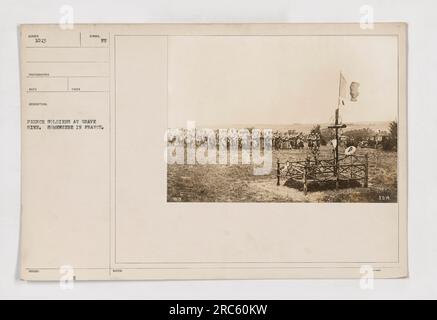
<point x="336" y="127"/>
<point x="337" y="111"/>
<point x="339" y="91"/>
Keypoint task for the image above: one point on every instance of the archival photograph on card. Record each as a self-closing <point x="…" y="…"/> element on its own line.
<point x="283" y="119"/>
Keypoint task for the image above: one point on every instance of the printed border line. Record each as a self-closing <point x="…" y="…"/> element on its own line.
<point x="263" y="35"/>
<point x="215" y="268"/>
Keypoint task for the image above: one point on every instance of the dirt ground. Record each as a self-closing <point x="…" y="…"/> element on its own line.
<point x="237" y="183"/>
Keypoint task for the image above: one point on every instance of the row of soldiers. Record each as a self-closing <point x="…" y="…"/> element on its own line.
<point x="278" y="140"/>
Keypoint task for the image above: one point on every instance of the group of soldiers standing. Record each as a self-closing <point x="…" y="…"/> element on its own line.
<point x="279" y="140"/>
<point x="287" y="140"/>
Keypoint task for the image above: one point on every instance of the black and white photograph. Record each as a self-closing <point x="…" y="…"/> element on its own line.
<point x="285" y="119"/>
<point x="218" y="158"/>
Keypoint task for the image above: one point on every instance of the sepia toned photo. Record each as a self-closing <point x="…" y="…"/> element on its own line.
<point x="283" y="119"/>
<point x="213" y="151"/>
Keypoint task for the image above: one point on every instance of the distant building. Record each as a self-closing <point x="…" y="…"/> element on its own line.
<point x="378" y="139"/>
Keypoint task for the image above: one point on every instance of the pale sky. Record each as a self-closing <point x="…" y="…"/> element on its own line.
<point x="221" y="81"/>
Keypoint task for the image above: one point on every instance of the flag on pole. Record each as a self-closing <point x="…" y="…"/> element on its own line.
<point x="354" y="91"/>
<point x="343" y="90"/>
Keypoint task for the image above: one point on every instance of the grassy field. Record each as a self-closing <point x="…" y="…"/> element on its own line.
<point x="237" y="183"/>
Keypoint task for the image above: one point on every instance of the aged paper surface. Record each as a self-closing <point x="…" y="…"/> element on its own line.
<point x="214" y="151"/>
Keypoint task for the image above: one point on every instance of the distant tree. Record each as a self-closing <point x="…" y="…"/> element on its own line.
<point x="360" y="134"/>
<point x="391" y="142"/>
<point x="393" y="129"/>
